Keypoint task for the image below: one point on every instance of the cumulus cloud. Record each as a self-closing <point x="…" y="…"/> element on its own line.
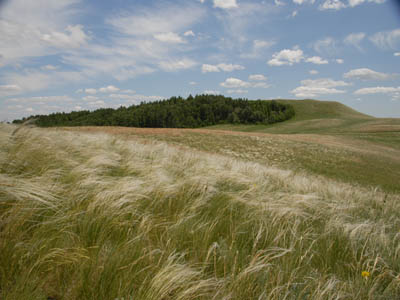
<point x="366" y="74"/>
<point x="169" y="37"/>
<point x="396" y="54"/>
<point x="235" y="83"/>
<point x="258" y="47"/>
<point x="317" y="60"/>
<point x="49" y="68"/>
<point x="340" y="61"/>
<point x="179" y="64"/>
<point x="189" y="33"/>
<point x="90" y="98"/>
<point x="386" y="39"/>
<point x="32" y="80"/>
<point x="9" y="89"/>
<point x="377" y="90"/>
<point x="225" y="4"/>
<point x="303" y="1"/>
<point x="109" y="89"/>
<point x="315" y="87"/>
<point x="353" y="3"/>
<point x="257" y="77"/>
<point x="286" y="57"/>
<point x="354" y="39"/>
<point x="332" y="4"/>
<point x="90" y="91"/>
<point x="205" y="68"/>
<point x="73" y="37"/>
<point x="325" y="46"/>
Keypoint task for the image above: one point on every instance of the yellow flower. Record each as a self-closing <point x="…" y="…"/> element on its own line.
<point x="365" y="274"/>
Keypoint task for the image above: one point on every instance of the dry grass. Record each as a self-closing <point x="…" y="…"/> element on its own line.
<point x="92" y="216"/>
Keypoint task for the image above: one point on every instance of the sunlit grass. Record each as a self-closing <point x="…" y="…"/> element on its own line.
<point x="96" y="217"/>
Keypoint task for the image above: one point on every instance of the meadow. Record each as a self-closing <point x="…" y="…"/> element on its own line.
<point x="130" y="214"/>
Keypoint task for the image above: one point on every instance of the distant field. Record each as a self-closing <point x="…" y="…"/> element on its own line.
<point x="364" y="152"/>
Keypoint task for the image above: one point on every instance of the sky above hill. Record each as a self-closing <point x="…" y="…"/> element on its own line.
<point x="63" y="55"/>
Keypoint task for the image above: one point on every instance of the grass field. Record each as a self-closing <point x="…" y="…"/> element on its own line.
<point x="125" y="213"/>
<point x="325" y="138"/>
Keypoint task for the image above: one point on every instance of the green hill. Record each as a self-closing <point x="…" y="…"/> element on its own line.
<point x="315" y="109"/>
<point x="313" y="116"/>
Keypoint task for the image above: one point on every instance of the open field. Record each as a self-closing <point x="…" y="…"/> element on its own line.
<point x="99" y="216"/>
<point x="370" y="160"/>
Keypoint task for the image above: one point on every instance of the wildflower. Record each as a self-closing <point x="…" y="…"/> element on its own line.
<point x="365" y="274"/>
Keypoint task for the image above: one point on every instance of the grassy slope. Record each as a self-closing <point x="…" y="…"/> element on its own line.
<point x="94" y="216"/>
<point x="324" y="138"/>
<point x="370" y="147"/>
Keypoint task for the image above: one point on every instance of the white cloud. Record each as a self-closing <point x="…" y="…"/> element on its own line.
<point x="229" y="67"/>
<point x="339" y="61"/>
<point x="262" y="85"/>
<point x="192" y="82"/>
<point x="169" y="37"/>
<point x="90" y="91"/>
<point x="366" y="74"/>
<point x="209" y="68"/>
<point x="313" y="72"/>
<point x="377" y="90"/>
<point x="386" y="39"/>
<point x="315" y="87"/>
<point x="332" y="4"/>
<point x="49" y="68"/>
<point x="109" y="89"/>
<point x="258" y="47"/>
<point x="37" y="28"/>
<point x="73" y="37"/>
<point x="396" y="54"/>
<point x="220" y="67"/>
<point x="325" y="46"/>
<point x="233" y="83"/>
<point x="257" y="77"/>
<point x="9" y="89"/>
<point x="225" y="4"/>
<point x="162" y="18"/>
<point x="353" y="3"/>
<point x="32" y="80"/>
<point x="179" y="64"/>
<point x="90" y="98"/>
<point x="303" y="1"/>
<point x="354" y="39"/>
<point x="286" y="57"/>
<point x="211" y="92"/>
<point x="317" y="60"/>
<point x="189" y="33"/>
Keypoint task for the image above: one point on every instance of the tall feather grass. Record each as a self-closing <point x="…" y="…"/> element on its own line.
<point x="95" y="217"/>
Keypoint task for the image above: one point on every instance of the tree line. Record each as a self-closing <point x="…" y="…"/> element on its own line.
<point x="176" y="112"/>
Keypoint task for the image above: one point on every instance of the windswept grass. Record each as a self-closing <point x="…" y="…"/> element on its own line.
<point x="91" y="216"/>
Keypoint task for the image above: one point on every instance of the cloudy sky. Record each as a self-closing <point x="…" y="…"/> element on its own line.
<point x="63" y="55"/>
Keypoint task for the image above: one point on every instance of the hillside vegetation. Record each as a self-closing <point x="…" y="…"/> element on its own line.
<point x="95" y="216"/>
<point x="176" y="112"/>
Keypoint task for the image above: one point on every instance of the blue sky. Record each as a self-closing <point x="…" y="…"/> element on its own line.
<point x="63" y="55"/>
